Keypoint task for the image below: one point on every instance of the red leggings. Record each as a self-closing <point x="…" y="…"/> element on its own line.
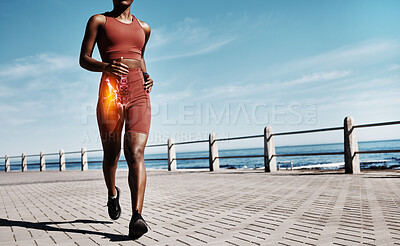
<point x="116" y="105"/>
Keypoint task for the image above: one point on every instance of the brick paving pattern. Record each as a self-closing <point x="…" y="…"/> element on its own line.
<point x="229" y="207"/>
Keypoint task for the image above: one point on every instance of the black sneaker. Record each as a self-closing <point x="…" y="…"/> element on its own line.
<point x="114" y="209"/>
<point x="137" y="226"/>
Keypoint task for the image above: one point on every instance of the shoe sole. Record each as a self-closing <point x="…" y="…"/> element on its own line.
<point x="139" y="228"/>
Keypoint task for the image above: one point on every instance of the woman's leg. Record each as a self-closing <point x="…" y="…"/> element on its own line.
<point x="110" y="120"/>
<point x="134" y="144"/>
<point x="112" y="151"/>
<point x="137" y="126"/>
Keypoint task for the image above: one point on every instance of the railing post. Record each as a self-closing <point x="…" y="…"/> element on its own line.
<point x="84" y="160"/>
<point x="24" y="163"/>
<point x="213" y="155"/>
<point x="42" y="161"/>
<point x="62" y="160"/>
<point x="171" y="155"/>
<point x="7" y="163"/>
<point x="351" y="159"/>
<point x="269" y="150"/>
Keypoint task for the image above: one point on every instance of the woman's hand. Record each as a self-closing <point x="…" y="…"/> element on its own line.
<point x="148" y="83"/>
<point x="117" y="68"/>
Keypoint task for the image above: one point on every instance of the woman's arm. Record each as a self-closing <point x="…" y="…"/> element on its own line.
<point x="147" y="31"/>
<point x="148" y="81"/>
<point x="85" y="59"/>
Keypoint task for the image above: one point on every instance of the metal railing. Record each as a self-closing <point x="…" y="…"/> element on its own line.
<point x="351" y="152"/>
<point x="285" y="162"/>
<point x="61" y="162"/>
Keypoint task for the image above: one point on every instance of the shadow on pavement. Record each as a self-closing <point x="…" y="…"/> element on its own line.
<point x="309" y="173"/>
<point x="280" y="173"/>
<point x="47" y="226"/>
<point x="384" y="177"/>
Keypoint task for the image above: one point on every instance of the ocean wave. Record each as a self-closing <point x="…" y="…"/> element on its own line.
<point x="333" y="165"/>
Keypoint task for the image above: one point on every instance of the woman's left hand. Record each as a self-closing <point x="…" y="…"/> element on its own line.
<point x="148" y="83"/>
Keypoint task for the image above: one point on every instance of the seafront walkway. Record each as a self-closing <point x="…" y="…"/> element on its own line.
<point x="196" y="207"/>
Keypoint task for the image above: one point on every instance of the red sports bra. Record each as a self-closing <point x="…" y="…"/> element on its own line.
<point x="119" y="39"/>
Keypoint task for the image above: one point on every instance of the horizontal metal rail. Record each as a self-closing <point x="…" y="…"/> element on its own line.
<point x="237" y="138"/>
<point x="52" y="154"/>
<point x="73" y="162"/>
<point x="72" y="152"/>
<point x="241" y="156"/>
<point x="190" y="142"/>
<point x="157" y="159"/>
<point x="308" y="131"/>
<point x="150" y="159"/>
<point x="52" y="163"/>
<point x="94" y="150"/>
<point x="31" y="164"/>
<point x="33" y="155"/>
<point x="191" y="158"/>
<point x="196" y="167"/>
<point x="147" y="146"/>
<point x="378" y="151"/>
<point x="378" y="124"/>
<point x="307" y="154"/>
<point x="156" y="145"/>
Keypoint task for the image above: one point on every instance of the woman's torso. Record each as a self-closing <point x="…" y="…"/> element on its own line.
<point x="118" y="39"/>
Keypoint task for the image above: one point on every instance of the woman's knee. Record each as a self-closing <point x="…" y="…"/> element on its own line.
<point x="135" y="154"/>
<point x="111" y="155"/>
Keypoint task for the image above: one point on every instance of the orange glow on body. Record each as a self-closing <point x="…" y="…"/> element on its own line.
<point x="112" y="95"/>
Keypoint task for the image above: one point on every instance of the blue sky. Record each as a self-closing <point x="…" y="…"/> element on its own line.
<point x="230" y="67"/>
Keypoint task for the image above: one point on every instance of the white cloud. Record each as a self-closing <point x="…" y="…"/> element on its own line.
<point x="321" y="78"/>
<point x="187" y="38"/>
<point x="163" y="98"/>
<point x="315" y="77"/>
<point x="201" y="51"/>
<point x="185" y="31"/>
<point x="6" y="91"/>
<point x="365" y="100"/>
<point x="16" y="121"/>
<point x="44" y="87"/>
<point x="353" y="56"/>
<point x="394" y="67"/>
<point x="243" y="89"/>
<point x="38" y="65"/>
<point x="341" y="67"/>
<point x="8" y="109"/>
<point x="355" y="53"/>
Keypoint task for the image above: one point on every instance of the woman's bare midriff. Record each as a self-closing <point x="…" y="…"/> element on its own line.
<point x="132" y="63"/>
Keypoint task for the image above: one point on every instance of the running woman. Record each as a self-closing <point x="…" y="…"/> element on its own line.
<point x="123" y="98"/>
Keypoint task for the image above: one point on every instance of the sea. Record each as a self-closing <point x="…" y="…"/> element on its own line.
<point x="367" y="161"/>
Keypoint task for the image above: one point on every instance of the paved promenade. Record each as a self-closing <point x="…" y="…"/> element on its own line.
<point x="229" y="207"/>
